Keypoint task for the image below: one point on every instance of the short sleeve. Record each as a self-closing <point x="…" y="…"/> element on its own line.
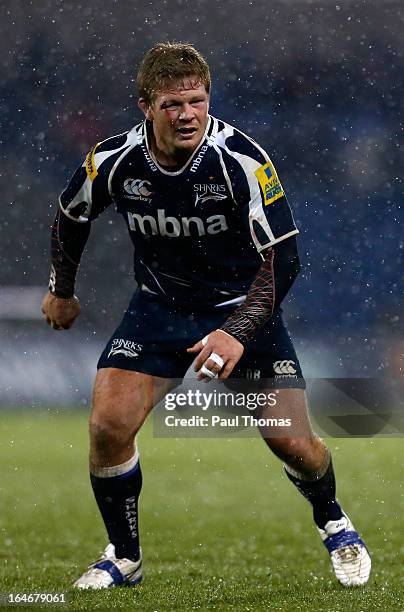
<point x="256" y="188"/>
<point x="87" y="194"/>
<point x="270" y="218"/>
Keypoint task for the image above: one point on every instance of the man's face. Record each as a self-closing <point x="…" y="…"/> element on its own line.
<point x="179" y="114"/>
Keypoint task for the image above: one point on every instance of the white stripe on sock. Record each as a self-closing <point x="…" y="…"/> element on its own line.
<point x="314" y="475"/>
<point x="115" y="470"/>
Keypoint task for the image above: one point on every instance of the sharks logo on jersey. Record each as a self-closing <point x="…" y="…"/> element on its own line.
<point x="197" y="230"/>
<point x="209" y="192"/>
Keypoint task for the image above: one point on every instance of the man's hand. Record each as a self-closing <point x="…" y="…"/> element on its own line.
<point x="59" y="312"/>
<point x="220" y="346"/>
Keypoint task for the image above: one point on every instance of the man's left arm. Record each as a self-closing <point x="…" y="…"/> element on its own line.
<point x="273" y="232"/>
<point x="275" y="277"/>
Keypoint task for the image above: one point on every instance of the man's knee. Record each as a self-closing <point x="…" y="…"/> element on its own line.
<point x="291" y="448"/>
<point x="109" y="431"/>
<point x="121" y="402"/>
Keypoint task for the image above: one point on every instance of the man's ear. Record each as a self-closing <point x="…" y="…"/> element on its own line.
<point x="145" y="108"/>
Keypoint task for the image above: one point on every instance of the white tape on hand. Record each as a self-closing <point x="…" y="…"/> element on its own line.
<point x="207" y="372"/>
<point x="217" y="359"/>
<point x="205" y="340"/>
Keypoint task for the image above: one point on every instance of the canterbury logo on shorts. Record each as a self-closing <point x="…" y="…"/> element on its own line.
<point x="286" y="366"/>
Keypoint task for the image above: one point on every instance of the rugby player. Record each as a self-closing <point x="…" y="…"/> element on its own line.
<point x="215" y="255"/>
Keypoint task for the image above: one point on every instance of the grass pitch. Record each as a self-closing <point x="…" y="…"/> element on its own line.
<point x="221" y="527"/>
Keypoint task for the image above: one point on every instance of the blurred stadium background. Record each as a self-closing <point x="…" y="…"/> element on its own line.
<point x="319" y="84"/>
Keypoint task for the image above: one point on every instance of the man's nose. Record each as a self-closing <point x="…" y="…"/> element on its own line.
<point x="186" y="112"/>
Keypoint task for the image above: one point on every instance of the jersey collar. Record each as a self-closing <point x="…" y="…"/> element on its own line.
<point x="190" y="160"/>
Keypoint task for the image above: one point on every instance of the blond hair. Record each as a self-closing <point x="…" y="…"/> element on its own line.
<point x="167" y="61"/>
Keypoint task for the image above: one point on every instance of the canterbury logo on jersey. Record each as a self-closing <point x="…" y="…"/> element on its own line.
<point x="173" y="227"/>
<point x="137" y="189"/>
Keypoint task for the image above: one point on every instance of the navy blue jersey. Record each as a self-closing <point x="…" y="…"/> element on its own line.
<point x="198" y="231"/>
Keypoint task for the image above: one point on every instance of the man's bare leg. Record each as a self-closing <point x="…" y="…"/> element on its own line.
<point x="309" y="467"/>
<point x="298" y="447"/>
<point x="307" y="460"/>
<point x="122" y="399"/>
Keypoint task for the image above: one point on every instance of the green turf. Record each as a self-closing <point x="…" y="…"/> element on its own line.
<point x="222" y="528"/>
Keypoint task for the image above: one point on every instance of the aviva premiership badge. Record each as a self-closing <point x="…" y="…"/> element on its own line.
<point x="270" y="183"/>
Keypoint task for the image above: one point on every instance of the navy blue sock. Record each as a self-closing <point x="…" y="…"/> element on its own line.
<point x="117" y="498"/>
<point x="321" y="494"/>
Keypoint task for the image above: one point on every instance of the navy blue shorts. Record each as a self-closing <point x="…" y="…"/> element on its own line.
<point x="153" y="337"/>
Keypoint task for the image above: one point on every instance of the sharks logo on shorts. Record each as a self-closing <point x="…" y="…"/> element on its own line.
<point x="128" y="348"/>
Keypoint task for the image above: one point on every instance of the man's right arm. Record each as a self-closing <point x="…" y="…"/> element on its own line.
<point x="85" y="197"/>
<point x="60" y="306"/>
<point x="68" y="241"/>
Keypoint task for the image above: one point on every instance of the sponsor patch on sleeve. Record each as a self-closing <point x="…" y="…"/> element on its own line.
<point x="270" y="183"/>
<point x="91" y="168"/>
